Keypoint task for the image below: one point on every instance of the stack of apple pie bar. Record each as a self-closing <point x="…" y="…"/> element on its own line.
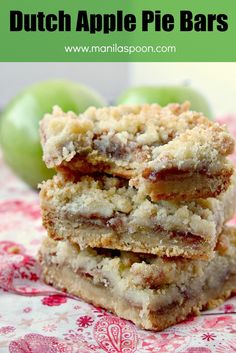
<point x="136" y="213"/>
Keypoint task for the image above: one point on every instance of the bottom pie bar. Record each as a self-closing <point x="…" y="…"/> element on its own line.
<point x="153" y="292"/>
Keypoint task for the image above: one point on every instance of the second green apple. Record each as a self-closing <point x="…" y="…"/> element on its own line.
<point x="164" y="95"/>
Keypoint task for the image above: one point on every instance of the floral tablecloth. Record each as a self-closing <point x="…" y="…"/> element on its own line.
<point x="34" y="318"/>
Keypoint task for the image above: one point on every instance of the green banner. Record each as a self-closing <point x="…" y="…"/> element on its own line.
<point x="131" y="30"/>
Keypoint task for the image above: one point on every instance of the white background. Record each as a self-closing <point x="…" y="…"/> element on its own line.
<point x="216" y="80"/>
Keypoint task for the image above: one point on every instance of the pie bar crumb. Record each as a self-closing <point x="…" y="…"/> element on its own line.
<point x="174" y="152"/>
<point x="153" y="292"/>
<point x="106" y="212"/>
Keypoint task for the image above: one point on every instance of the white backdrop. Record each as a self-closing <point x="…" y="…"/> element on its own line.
<point x="107" y="78"/>
<point x="216" y="80"/>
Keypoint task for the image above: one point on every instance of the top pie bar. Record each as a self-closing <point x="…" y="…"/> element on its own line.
<point x="170" y="152"/>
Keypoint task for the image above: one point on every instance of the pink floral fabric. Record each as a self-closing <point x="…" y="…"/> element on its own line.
<point x="35" y="318"/>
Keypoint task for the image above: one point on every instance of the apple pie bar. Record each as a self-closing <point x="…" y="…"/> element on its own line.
<point x="151" y="291"/>
<point x="172" y="152"/>
<point x="102" y="211"/>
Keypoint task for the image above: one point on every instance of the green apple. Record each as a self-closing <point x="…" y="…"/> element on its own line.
<point x="164" y="95"/>
<point x="19" y="123"/>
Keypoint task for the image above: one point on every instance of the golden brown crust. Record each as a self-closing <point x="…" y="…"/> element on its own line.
<point x="161" y="243"/>
<point x="184" y="186"/>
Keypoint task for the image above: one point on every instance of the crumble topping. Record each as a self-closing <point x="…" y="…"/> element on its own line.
<point x="131" y="128"/>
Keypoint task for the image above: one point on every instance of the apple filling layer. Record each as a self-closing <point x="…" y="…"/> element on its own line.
<point x="106" y="212"/>
<point x="146" y="141"/>
<point x="153" y="292"/>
